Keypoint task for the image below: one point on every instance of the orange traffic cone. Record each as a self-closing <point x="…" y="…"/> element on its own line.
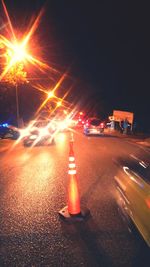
<point x="73" y="193"/>
<point x="73" y="212"/>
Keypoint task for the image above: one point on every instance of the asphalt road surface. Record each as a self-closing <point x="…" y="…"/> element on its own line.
<point x="33" y="189"/>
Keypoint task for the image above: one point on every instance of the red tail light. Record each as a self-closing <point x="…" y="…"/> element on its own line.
<point x="102" y="125"/>
<point x="147" y="200"/>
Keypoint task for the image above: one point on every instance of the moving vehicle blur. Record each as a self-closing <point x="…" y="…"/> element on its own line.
<point x="133" y="193"/>
<point x="93" y="126"/>
<point x="9" y="131"/>
<point x="40" y="132"/>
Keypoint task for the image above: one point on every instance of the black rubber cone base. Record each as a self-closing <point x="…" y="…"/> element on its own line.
<point x="66" y="216"/>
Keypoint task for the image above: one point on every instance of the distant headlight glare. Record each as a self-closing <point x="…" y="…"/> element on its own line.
<point x="33" y="136"/>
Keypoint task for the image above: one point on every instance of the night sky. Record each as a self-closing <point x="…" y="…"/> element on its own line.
<point x="105" y="45"/>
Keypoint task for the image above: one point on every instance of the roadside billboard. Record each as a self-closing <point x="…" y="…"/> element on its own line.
<point x="120" y="115"/>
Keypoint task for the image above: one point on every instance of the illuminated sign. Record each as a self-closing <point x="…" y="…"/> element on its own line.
<point x="120" y="115"/>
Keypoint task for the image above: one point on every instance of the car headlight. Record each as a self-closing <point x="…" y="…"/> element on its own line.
<point x="44" y="131"/>
<point x="33" y="136"/>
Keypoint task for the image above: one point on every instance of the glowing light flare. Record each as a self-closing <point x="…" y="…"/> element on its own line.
<point x="19" y="53"/>
<point x="54" y="89"/>
<point x="48" y="131"/>
<point x="41" y="65"/>
<point x="23" y="133"/>
<point x="62" y="125"/>
<point x="66" y="123"/>
<point x="16" y="50"/>
<point x="61" y="137"/>
<point x="43" y="131"/>
<point x="39" y="138"/>
<point x="33" y="28"/>
<point x="8" y="19"/>
<point x="39" y="88"/>
<point x="51" y="94"/>
<point x="59" y="104"/>
<point x="14" y="54"/>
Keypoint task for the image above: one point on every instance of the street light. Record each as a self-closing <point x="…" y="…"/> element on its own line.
<point x="16" y="74"/>
<point x="15" y="54"/>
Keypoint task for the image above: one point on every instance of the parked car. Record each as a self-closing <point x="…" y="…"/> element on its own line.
<point x="133" y="194"/>
<point x="9" y="131"/>
<point x="93" y="126"/>
<point x="40" y="132"/>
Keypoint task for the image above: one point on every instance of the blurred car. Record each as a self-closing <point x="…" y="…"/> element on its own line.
<point x="9" y="131"/>
<point x="40" y="132"/>
<point x="93" y="126"/>
<point x="133" y="194"/>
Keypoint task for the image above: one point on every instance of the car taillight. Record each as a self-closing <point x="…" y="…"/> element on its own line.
<point x="147" y="200"/>
<point x="102" y="125"/>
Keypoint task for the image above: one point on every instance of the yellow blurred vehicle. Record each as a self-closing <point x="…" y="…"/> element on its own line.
<point x="133" y="193"/>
